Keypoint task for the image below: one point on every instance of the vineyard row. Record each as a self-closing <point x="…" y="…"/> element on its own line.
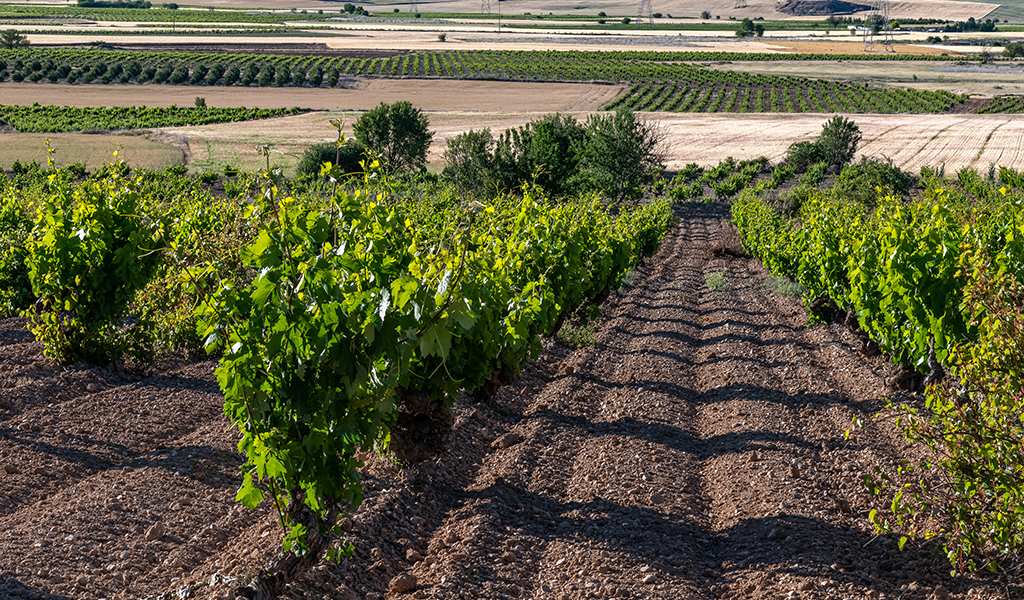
<point x="810" y="96"/>
<point x="51" y="119"/>
<point x="692" y="87"/>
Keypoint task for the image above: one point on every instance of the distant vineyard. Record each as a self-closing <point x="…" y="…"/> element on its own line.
<point x="24" y="12"/>
<point x="692" y="87"/>
<point x="1003" y="104"/>
<point x="80" y="65"/>
<point x="785" y="96"/>
<point x="51" y="119"/>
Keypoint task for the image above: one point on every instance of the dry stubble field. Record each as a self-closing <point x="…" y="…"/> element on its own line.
<point x="911" y="141"/>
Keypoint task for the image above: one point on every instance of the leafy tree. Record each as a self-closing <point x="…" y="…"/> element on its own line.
<point x="12" y="39"/>
<point x="746" y="28"/>
<point x="469" y="161"/>
<point x="621" y="154"/>
<point x="550" y="151"/>
<point x="397" y="134"/>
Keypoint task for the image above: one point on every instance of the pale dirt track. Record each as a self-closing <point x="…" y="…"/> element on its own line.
<point x="695" y="450"/>
<point x="949" y="9"/>
<point x="458" y="39"/>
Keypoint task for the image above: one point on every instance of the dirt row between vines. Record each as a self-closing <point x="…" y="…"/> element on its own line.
<point x="695" y="450"/>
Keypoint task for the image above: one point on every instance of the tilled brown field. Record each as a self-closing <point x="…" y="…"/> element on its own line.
<point x="695" y="450"/>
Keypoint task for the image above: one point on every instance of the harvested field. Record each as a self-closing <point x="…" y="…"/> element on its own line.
<point x="695" y="450"/>
<point x="94" y="150"/>
<point x="430" y="94"/>
<point x="987" y="80"/>
<point x="910" y="140"/>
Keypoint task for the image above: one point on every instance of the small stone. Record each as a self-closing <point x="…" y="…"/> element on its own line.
<point x="376" y="553"/>
<point x="402" y="584"/>
<point x="940" y="593"/>
<point x="10" y="469"/>
<point x="806" y="585"/>
<point x="509" y="439"/>
<point x="154" y="533"/>
<point x="412" y="555"/>
<point x="649" y="578"/>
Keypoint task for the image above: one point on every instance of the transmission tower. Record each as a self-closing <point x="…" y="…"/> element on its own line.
<point x="647" y="11"/>
<point x="878" y="27"/>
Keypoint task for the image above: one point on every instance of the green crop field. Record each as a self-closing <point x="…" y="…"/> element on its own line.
<point x="51" y="119"/>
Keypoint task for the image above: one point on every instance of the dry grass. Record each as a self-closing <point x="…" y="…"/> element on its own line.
<point x="93" y="150"/>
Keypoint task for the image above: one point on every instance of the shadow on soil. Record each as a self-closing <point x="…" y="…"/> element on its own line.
<point x="678" y="547"/>
<point x="12" y="589"/>
<point x="211" y="466"/>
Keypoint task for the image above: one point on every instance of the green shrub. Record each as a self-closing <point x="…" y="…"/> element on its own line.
<point x="347" y="158"/>
<point x="838" y="141"/>
<point x="91" y="248"/>
<point x="397" y="134"/>
<point x="15" y="224"/>
<point x="801" y="155"/>
<point x="969" y="490"/>
<point x="864" y="181"/>
<point x="469" y="160"/>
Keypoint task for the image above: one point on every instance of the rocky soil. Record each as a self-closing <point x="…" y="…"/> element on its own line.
<point x="695" y="450"/>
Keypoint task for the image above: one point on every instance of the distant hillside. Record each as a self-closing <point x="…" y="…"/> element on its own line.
<point x="820" y="7"/>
